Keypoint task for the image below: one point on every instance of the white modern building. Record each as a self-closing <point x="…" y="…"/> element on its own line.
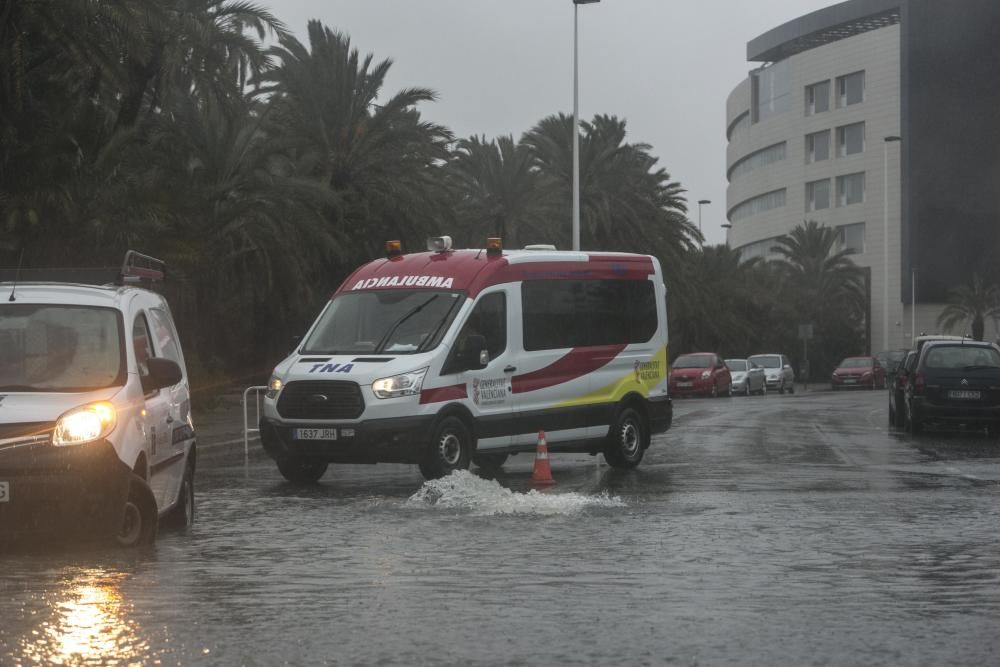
<point x="843" y="122"/>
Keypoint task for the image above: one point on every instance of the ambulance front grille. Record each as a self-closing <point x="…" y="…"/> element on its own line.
<point x="321" y="399"/>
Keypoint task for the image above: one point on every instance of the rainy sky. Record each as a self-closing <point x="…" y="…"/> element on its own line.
<point x="666" y="66"/>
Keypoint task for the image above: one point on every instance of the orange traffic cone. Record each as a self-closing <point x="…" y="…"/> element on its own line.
<point x="542" y="473"/>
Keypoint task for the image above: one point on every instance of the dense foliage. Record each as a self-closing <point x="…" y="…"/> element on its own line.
<point x="263" y="175"/>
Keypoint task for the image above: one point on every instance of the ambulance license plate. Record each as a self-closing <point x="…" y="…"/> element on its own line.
<point x="4" y="492"/>
<point x="315" y="434"/>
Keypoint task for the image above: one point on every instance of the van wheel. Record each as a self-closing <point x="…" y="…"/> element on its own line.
<point x="139" y="516"/>
<point x="489" y="462"/>
<point x="627" y="440"/>
<point x="301" y="471"/>
<point x="450" y="449"/>
<point x="182" y="515"/>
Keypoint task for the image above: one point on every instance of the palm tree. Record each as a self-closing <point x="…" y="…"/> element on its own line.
<point x="383" y="162"/>
<point x="825" y="288"/>
<point x="499" y="190"/>
<point x="972" y="304"/>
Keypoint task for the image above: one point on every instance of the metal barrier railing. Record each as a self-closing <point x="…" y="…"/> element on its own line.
<point x="257" y="390"/>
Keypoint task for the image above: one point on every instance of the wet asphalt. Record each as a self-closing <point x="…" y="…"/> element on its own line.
<point x="775" y="530"/>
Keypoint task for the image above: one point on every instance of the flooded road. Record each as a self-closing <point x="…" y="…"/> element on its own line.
<point x="768" y="530"/>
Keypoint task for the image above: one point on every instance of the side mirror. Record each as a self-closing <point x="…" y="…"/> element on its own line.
<point x="474" y="356"/>
<point x="162" y="373"/>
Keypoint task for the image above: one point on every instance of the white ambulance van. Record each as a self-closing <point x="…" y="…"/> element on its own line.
<point x="96" y="436"/>
<point x="448" y="356"/>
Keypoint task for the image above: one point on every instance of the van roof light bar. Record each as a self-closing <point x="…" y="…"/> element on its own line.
<point x="141" y="268"/>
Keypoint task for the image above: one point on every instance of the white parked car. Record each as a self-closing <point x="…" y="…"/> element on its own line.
<point x="96" y="436"/>
<point x="748" y="378"/>
<point x="778" y="371"/>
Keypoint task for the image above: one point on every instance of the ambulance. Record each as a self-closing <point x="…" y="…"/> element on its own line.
<point x="446" y="357"/>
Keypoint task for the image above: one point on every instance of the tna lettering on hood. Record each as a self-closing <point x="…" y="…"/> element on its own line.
<point x="439" y="282"/>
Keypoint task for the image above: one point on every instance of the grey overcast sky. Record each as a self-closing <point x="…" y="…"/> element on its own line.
<point x="500" y="66"/>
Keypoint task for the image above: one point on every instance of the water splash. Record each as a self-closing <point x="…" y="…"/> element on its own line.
<point x="485" y="497"/>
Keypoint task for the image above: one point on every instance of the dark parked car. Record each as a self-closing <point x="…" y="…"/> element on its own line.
<point x="897" y="411"/>
<point x="891" y="361"/>
<point x="703" y="373"/>
<point x="954" y="383"/>
<point x="858" y="372"/>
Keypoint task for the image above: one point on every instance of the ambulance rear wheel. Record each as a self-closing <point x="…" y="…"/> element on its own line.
<point x="489" y="462"/>
<point x="627" y="441"/>
<point x="301" y="471"/>
<point x="450" y="449"/>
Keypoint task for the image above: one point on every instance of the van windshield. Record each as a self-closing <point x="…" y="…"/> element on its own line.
<point x="384" y="322"/>
<point x="60" y="348"/>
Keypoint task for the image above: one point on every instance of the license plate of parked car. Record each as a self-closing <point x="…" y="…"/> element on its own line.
<point x="315" y="434"/>
<point x="4" y="492"/>
<point x="684" y="384"/>
<point x="965" y="395"/>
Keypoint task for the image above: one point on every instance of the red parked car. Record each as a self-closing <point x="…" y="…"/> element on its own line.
<point x="700" y="373"/>
<point x="858" y="372"/>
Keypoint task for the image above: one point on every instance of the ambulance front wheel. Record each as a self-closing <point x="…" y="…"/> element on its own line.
<point x="301" y="471"/>
<point x="627" y="441"/>
<point x="450" y="449"/>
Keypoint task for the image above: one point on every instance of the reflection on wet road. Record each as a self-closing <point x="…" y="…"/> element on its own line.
<point x="766" y="530"/>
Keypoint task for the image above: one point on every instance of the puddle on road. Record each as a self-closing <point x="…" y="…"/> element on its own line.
<point x="485" y="497"/>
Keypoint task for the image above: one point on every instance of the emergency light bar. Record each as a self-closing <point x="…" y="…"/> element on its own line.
<point x="494" y="246"/>
<point x="439" y="243"/>
<point x="141" y="268"/>
<point x="393" y="248"/>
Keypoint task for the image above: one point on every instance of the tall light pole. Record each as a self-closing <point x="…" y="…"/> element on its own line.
<point x="576" y="122"/>
<point x="885" y="238"/>
<point x="701" y="202"/>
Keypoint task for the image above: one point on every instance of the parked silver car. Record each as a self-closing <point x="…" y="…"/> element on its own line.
<point x="748" y="378"/>
<point x="778" y="370"/>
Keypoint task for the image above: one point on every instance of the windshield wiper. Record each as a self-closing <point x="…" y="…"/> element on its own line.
<point x="444" y="318"/>
<point x="388" y="334"/>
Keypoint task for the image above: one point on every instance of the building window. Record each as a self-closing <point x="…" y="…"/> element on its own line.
<point x="765" y="202"/>
<point x="851" y="89"/>
<point x="818" y="146"/>
<point x="850" y="139"/>
<point x="738" y="126"/>
<point x="851" y="238"/>
<point x="818" y="98"/>
<point x="758" y="250"/>
<point x="761" y="158"/>
<point x="818" y="195"/>
<point x="850" y="189"/>
<point x="771" y="92"/>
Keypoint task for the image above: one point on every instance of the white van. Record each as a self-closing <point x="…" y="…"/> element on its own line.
<point x="450" y="356"/>
<point x="96" y="436"/>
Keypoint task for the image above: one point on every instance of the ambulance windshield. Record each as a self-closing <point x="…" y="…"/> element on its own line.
<point x="384" y="322"/>
<point x="59" y="348"/>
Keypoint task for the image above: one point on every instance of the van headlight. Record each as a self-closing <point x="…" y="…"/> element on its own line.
<point x="405" y="384"/>
<point x="274" y="385"/>
<point x="85" y="424"/>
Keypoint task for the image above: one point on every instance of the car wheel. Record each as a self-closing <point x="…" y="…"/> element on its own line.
<point x="729" y="390"/>
<point x="892" y="417"/>
<point x="748" y="392"/>
<point x="182" y="515"/>
<point x="791" y="388"/>
<point x="139" y="516"/>
<point x="714" y="392"/>
<point x="301" y="471"/>
<point x="489" y="462"/>
<point x="450" y="449"/>
<point x="781" y="387"/>
<point x="627" y="440"/>
<point x="763" y="388"/>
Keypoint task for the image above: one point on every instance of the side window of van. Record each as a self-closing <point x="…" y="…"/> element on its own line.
<point x="164" y="335"/>
<point x="562" y="314"/>
<point x="489" y="320"/>
<point x="142" y="343"/>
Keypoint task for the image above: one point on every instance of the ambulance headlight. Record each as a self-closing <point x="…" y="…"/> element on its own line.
<point x="274" y="385"/>
<point x="85" y="424"/>
<point x="406" y="384"/>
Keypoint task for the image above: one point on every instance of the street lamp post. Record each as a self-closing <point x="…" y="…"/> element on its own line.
<point x="885" y="239"/>
<point x="576" y="122"/>
<point x="701" y="202"/>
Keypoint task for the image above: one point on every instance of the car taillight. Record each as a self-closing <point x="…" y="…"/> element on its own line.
<point x="919" y="384"/>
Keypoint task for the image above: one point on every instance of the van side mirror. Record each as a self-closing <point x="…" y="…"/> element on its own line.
<point x="475" y="355"/>
<point x="162" y="373"/>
